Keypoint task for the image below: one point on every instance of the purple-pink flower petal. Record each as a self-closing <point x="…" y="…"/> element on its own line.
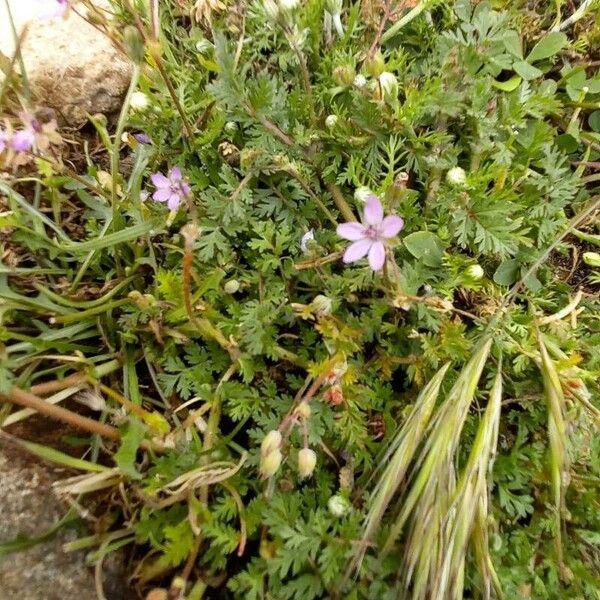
<point x="185" y="188"/>
<point x="174" y="201"/>
<point x="373" y="213"/>
<point x="352" y="231"/>
<point x="161" y="194"/>
<point x="175" y="174"/>
<point x="23" y="140"/>
<point x="391" y="226"/>
<point x="357" y="250"/>
<point x="376" y="256"/>
<point x="159" y="180"/>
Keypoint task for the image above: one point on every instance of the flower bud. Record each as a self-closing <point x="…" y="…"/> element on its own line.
<point x="334" y="7"/>
<point x="232" y="286"/>
<point x="375" y="65"/>
<point x="134" y="44"/>
<point x="592" y="259"/>
<point x="271" y="442"/>
<point x="203" y="46"/>
<point x="456" y="177"/>
<point x="139" y="101"/>
<point x="474" y="272"/>
<point x="343" y="75"/>
<point x="389" y="86"/>
<point x="331" y="121"/>
<point x="338" y="505"/>
<point x="270" y="463"/>
<point x="361" y="194"/>
<point x="321" y="305"/>
<point x="307" y="460"/>
<point x="309" y="236"/>
<point x="303" y="410"/>
<point x="360" y="81"/>
<point x="288" y="5"/>
<point x="231" y="127"/>
<point x="271" y="9"/>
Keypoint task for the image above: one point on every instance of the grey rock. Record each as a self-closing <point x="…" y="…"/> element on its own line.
<point x="71" y="66"/>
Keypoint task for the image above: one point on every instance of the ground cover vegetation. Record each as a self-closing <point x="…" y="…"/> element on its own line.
<point x="328" y="290"/>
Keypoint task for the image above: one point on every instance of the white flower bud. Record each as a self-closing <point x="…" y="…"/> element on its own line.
<point x="361" y="194"/>
<point x="592" y="259"/>
<point x="338" y="505"/>
<point x="456" y="177"/>
<point x="309" y="236"/>
<point x="331" y="121"/>
<point x="231" y="127"/>
<point x="271" y="9"/>
<point x="232" y="286"/>
<point x="474" y="272"/>
<point x="307" y="460"/>
<point x="270" y="463"/>
<point x="139" y="101"/>
<point x="203" y="46"/>
<point x="360" y="81"/>
<point x="389" y="86"/>
<point x="303" y="410"/>
<point x="321" y="305"/>
<point x="288" y="5"/>
<point x="271" y="442"/>
<point x="334" y="7"/>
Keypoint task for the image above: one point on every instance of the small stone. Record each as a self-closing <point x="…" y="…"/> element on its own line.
<point x="71" y="66"/>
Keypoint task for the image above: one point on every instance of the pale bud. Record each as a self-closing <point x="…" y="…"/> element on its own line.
<point x="139" y="101"/>
<point x="389" y="86"/>
<point x="309" y="236"/>
<point x="270" y="463"/>
<point x="360" y="81"/>
<point x="592" y="259"/>
<point x="474" y="272"/>
<point x="331" y="121"/>
<point x="271" y="9"/>
<point x="334" y="7"/>
<point x="303" y="410"/>
<point x="271" y="442"/>
<point x="361" y="194"/>
<point x="307" y="460"/>
<point x="231" y="127"/>
<point x="288" y="5"/>
<point x="456" y="177"/>
<point x="375" y="65"/>
<point x="343" y="75"/>
<point x="232" y="286"/>
<point x="338" y="505"/>
<point x="203" y="46"/>
<point x="321" y="305"/>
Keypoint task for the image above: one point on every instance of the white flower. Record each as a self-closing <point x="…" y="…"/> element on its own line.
<point x="139" y="101"/>
<point x="360" y="81"/>
<point x="456" y="177"/>
<point x="331" y="121"/>
<point x="338" y="505"/>
<point x="309" y="236"/>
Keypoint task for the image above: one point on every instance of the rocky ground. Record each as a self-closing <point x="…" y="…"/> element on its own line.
<point x="73" y="69"/>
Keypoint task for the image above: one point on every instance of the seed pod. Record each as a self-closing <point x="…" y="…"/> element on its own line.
<point x="375" y="65"/>
<point x="307" y="460"/>
<point x="271" y="442"/>
<point x="269" y="464"/>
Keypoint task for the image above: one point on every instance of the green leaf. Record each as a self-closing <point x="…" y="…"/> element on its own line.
<point x="130" y="442"/>
<point x="548" y="46"/>
<point x="507" y="272"/>
<point x="425" y="246"/>
<point x="594" y="121"/>
<point x="512" y="43"/>
<point x="526" y="71"/>
<point x="508" y="86"/>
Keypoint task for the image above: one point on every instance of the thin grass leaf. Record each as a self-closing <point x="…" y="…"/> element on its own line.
<point x="559" y="458"/>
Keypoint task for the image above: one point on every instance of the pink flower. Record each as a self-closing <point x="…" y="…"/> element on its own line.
<point x="170" y="188"/>
<point x="50" y="9"/>
<point x="368" y="238"/>
<point x="4" y="139"/>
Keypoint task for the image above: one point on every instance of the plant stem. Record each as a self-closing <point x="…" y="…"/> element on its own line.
<point x="407" y="18"/>
<point x="116" y="146"/>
